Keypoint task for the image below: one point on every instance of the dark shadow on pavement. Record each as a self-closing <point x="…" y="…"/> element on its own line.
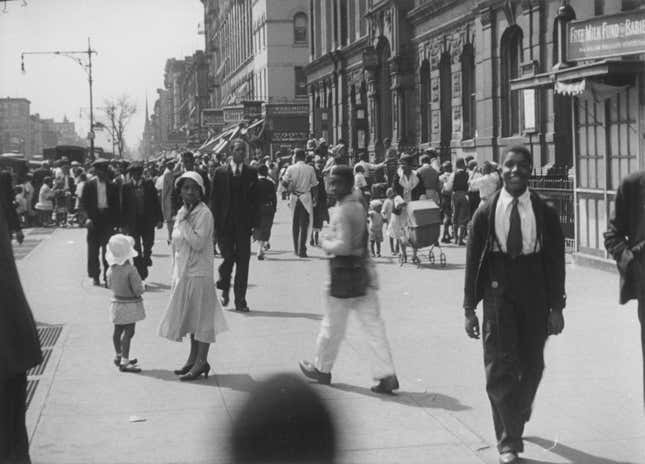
<point x="160" y="255"/>
<point x="285" y="314"/>
<point x="447" y="267"/>
<point x="169" y="376"/>
<point x="238" y="382"/>
<point x="414" y="399"/>
<point x="156" y="286"/>
<point x="295" y="259"/>
<point x="572" y="455"/>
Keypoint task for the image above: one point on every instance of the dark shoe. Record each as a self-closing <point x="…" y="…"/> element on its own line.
<point x="260" y="257"/>
<point x="117" y="361"/>
<point x="508" y="457"/>
<point x="445" y="240"/>
<point x="242" y="307"/>
<point x="267" y="246"/>
<point x="129" y="368"/>
<point x="303" y="255"/>
<point x="96" y="282"/>
<point x="183" y="370"/>
<point x="225" y="298"/>
<point x="386" y="385"/>
<point x="311" y="372"/>
<point x="195" y="374"/>
<point x="462" y="243"/>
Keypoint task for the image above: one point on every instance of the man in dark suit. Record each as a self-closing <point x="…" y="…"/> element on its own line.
<point x="140" y="213"/>
<point x="234" y="207"/>
<point x="100" y="203"/>
<point x="515" y="264"/>
<point x="625" y="241"/>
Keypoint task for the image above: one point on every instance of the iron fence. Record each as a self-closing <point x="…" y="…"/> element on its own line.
<point x="558" y="192"/>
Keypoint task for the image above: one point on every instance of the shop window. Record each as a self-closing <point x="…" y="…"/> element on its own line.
<point x="300" y="28"/>
<point x="425" y="102"/>
<point x="301" y="81"/>
<point x="468" y="92"/>
<point x="511" y="57"/>
<point x="598" y="7"/>
<point x="631" y="4"/>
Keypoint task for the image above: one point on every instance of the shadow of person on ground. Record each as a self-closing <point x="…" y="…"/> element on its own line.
<point x="156" y="287"/>
<point x="237" y="382"/>
<point x="285" y="314"/>
<point x="414" y="399"/>
<point x="572" y="455"/>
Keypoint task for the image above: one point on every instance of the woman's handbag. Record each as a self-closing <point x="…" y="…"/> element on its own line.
<point x="349" y="277"/>
<point x="349" y="274"/>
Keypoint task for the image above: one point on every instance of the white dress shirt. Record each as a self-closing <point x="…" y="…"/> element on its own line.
<point x="236" y="168"/>
<point x="101" y="194"/>
<point x="527" y="217"/>
<point x="301" y="176"/>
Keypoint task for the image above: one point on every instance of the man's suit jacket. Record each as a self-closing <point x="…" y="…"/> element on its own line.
<point x="246" y="216"/>
<point x="151" y="209"/>
<point x="627" y="230"/>
<point x="89" y="199"/>
<point x="481" y="239"/>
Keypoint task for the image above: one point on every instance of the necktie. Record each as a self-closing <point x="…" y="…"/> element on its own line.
<point x="237" y="170"/>
<point x="514" y="240"/>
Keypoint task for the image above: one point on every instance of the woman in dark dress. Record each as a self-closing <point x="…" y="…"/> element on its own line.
<point x="19" y="350"/>
<point x="321" y="213"/>
<point x="267" y="205"/>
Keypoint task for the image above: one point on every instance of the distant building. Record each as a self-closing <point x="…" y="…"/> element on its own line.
<point x="258" y="52"/>
<point x="15" y="126"/>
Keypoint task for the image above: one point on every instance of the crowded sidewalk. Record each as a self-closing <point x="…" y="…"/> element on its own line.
<point x="588" y="410"/>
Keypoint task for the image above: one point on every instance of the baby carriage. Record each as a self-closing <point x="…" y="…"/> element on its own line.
<point x="424" y="224"/>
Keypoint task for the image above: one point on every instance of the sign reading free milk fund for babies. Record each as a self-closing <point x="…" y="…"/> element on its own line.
<point x="605" y="36"/>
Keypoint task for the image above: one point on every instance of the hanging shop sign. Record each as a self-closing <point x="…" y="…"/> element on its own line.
<point x="606" y="36"/>
<point x="212" y="117"/>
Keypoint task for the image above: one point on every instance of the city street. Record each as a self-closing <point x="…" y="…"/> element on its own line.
<point x="589" y="409"/>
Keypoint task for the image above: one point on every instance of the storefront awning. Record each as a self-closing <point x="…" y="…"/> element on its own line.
<point x="588" y="71"/>
<point x="570" y="88"/>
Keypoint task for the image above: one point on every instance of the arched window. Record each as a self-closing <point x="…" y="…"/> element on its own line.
<point x="468" y="92"/>
<point x="300" y="28"/>
<point x="425" y="101"/>
<point x="511" y="57"/>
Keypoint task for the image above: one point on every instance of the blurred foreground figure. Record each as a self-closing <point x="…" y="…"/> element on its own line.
<point x="19" y="351"/>
<point x="284" y="421"/>
<point x="625" y="241"/>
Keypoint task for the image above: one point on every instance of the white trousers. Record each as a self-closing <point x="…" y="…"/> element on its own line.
<point x="334" y="325"/>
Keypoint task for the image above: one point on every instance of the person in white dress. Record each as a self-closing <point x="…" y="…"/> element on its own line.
<point x="194" y="308"/>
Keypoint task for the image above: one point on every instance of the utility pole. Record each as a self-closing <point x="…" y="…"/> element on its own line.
<point x="79" y="57"/>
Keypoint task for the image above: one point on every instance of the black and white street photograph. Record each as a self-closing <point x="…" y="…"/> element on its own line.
<point x="322" y="232"/>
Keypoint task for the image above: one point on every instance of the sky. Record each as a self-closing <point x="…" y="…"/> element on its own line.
<point x="133" y="38"/>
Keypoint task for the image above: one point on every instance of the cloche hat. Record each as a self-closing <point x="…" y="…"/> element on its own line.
<point x="194" y="176"/>
<point x="120" y="249"/>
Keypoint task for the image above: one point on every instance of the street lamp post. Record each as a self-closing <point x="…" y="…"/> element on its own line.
<point x="77" y="56"/>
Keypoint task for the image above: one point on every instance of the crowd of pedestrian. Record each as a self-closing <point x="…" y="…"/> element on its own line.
<point x="218" y="205"/>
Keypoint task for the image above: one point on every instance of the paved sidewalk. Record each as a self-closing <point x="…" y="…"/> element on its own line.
<point x="589" y="408"/>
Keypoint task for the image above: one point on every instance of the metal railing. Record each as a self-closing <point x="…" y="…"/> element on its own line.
<point x="558" y="192"/>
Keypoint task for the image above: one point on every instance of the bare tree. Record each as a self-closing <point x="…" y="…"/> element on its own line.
<point x="119" y="112"/>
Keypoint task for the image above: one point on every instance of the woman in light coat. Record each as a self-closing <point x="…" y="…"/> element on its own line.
<point x="194" y="308"/>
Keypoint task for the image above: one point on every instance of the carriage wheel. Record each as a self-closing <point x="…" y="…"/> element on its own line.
<point x="431" y="257"/>
<point x="442" y="259"/>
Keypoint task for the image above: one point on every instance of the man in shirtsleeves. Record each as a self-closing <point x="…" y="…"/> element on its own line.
<point x="302" y="182"/>
<point x="515" y="264"/>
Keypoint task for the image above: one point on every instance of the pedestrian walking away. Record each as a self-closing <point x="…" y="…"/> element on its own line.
<point x="267" y="205"/>
<point x="515" y="264"/>
<point x="302" y="184"/>
<point x="353" y="286"/>
<point x="126" y="307"/>
<point x="625" y="241"/>
<point x="100" y="204"/>
<point x="193" y="308"/>
<point x="141" y="213"/>
<point x="234" y="206"/>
